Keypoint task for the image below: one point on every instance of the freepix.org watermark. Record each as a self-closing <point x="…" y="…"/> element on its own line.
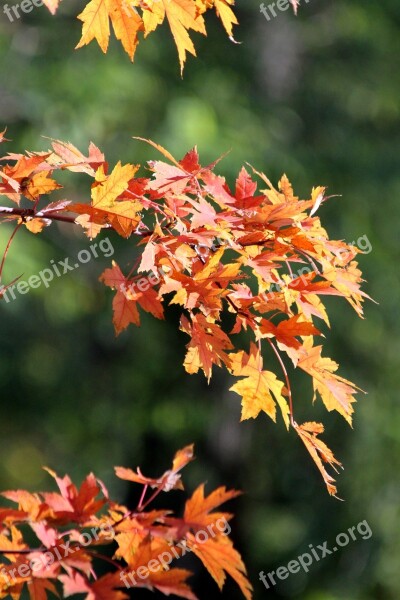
<point x="58" y="269"/>
<point x="362" y="244"/>
<point x="270" y="11"/>
<point x="305" y="560"/>
<point x="43" y="560"/>
<point x="164" y="559"/>
<point x="26" y="6"/>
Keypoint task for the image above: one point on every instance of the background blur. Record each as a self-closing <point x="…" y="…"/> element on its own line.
<point x="315" y="96"/>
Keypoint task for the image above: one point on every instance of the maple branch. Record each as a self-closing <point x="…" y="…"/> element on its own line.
<point x="152" y="497"/>
<point x="140" y="507"/>
<point x="30" y="213"/>
<point x="7" y="248"/>
<point x="26" y="551"/>
<point x="105" y="558"/>
<point x="140" y="504"/>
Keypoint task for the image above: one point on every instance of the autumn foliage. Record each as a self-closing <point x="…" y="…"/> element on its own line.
<point x="132" y="18"/>
<point x="247" y="266"/>
<point x="75" y="526"/>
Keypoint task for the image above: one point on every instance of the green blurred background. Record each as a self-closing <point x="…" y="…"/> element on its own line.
<point x="315" y="96"/>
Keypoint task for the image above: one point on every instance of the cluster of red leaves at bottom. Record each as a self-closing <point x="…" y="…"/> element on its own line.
<point x="73" y="526"/>
<point x="228" y="258"/>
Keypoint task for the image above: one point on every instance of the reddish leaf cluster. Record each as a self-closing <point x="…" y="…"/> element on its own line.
<point x="73" y="525"/>
<point x="213" y="250"/>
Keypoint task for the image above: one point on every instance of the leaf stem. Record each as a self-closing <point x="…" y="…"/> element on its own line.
<point x="292" y="421"/>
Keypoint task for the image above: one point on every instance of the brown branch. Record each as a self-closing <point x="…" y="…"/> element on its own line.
<point x="30" y="213"/>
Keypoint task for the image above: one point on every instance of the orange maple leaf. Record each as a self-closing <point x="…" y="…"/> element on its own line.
<point x="169" y="480"/>
<point x="198" y="508"/>
<point x="214" y="548"/>
<point x="125" y="300"/>
<point x="207" y="346"/>
<point x="319" y="451"/>
<point x="220" y="557"/>
<point x="336" y="392"/>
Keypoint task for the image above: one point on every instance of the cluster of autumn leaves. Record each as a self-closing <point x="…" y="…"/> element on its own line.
<point x="223" y="256"/>
<point x="130" y="18"/>
<point x="74" y="527"/>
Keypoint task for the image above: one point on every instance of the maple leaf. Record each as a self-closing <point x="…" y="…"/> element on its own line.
<point x="39" y="184"/>
<point x="182" y="15"/>
<point x="38" y="588"/>
<point x="125" y="300"/>
<point x="75" y="504"/>
<point x="245" y="187"/>
<point x="36" y="225"/>
<point x="206" y="287"/>
<point x="30" y="504"/>
<point x="20" y="178"/>
<point x="173" y="581"/>
<point x="2" y="138"/>
<point x="104" y="588"/>
<point x="125" y="310"/>
<point x="169" y="480"/>
<point x="259" y="389"/>
<point x="145" y="551"/>
<point x="106" y="207"/>
<point x="216" y="551"/>
<point x="198" y="508"/>
<point x="207" y="346"/>
<point x="125" y="20"/>
<point x="66" y="156"/>
<point x="319" y="451"/>
<point x="220" y="557"/>
<point x="288" y="330"/>
<point x="15" y="543"/>
<point x="226" y="14"/>
<point x="336" y="392"/>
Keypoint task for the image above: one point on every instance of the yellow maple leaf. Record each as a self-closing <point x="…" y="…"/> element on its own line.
<point x="96" y="24"/>
<point x="259" y="388"/>
<point x="336" y="392"/>
<point x="129" y="17"/>
<point x="224" y="12"/>
<point x="38" y="185"/>
<point x="106" y="207"/>
<point x="182" y="15"/>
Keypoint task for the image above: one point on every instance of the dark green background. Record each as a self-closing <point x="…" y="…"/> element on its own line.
<point x="315" y="96"/>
